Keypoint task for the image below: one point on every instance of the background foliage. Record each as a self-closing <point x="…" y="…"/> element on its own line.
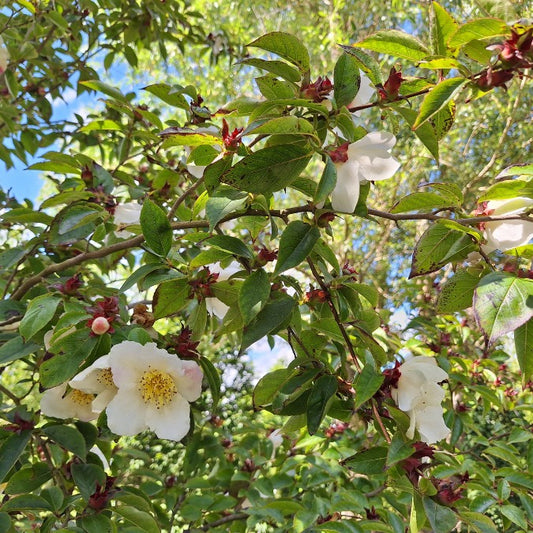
<point x="336" y="293"/>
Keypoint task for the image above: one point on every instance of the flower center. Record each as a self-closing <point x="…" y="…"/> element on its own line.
<point x="105" y="377"/>
<point x="157" y="388"/>
<point x="81" y="398"/>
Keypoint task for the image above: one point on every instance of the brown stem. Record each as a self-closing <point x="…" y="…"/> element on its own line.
<point x="182" y="198"/>
<point x="336" y="316"/>
<point x="225" y="520"/>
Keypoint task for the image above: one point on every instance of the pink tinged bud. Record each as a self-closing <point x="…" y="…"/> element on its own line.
<point x="100" y="325"/>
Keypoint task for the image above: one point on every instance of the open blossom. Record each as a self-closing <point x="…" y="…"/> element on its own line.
<point x="507" y="234"/>
<point x="126" y="215"/>
<point x="368" y="159"/>
<point x="418" y="394"/>
<point x="74" y="404"/>
<point x="214" y="305"/>
<point x="97" y="380"/>
<point x="4" y="56"/>
<point x="154" y="389"/>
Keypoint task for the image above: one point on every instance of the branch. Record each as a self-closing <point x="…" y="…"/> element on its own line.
<point x="224" y="520"/>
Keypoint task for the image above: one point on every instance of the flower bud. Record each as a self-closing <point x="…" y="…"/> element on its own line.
<point x="100" y="325"/>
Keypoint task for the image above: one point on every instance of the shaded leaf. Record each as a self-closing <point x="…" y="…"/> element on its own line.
<point x="156" y="228"/>
<point x="40" y="312"/>
<point x="318" y="402"/>
<point x="502" y="303"/>
<point x="254" y="294"/>
<point x="295" y="244"/>
<point x="269" y="169"/>
<point x="523" y="341"/>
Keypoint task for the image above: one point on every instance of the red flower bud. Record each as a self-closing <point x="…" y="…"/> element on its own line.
<point x="100" y="325"/>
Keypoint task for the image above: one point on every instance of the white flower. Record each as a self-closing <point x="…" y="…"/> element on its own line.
<point x="4" y="56"/>
<point x="74" y="404"/>
<point x="97" y="380"/>
<point x="214" y="305"/>
<point x="506" y="234"/>
<point x="126" y="215"/>
<point x="154" y="391"/>
<point x="363" y="96"/>
<point x="369" y="159"/>
<point x="419" y="395"/>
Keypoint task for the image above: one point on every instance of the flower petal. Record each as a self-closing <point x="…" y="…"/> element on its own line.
<point x="189" y="380"/>
<point x="345" y="196"/>
<point x="216" y="307"/>
<point x="172" y="421"/>
<point x="126" y="413"/>
<point x="87" y="380"/>
<point x="430" y="424"/>
<point x="505" y="235"/>
<point x="372" y="152"/>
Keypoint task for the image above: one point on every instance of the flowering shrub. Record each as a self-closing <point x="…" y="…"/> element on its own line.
<point x="208" y="219"/>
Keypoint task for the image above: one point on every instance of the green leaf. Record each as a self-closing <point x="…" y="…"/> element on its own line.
<point x="426" y="132"/>
<point x="108" y="90"/>
<point x="327" y="182"/>
<point x="442" y="519"/>
<point x="420" y="201"/>
<point x="296" y="243"/>
<point x="290" y="125"/>
<point x="140" y="519"/>
<point x="213" y="379"/>
<point x="26" y="502"/>
<point x="28" y="479"/>
<point x="139" y="274"/>
<point x="322" y="394"/>
<point x="272" y="88"/>
<point x="523" y="341"/>
<point x="67" y="437"/>
<point x="346" y="80"/>
<point x="170" y="297"/>
<point x="398" y="450"/>
<point x="269" y="319"/>
<point x="86" y="476"/>
<point x="269" y="169"/>
<point x="457" y="292"/>
<point x="170" y="95"/>
<point x="366" y="63"/>
<point x="230" y="244"/>
<point x="15" y="349"/>
<point x="97" y="523"/>
<point x="480" y="522"/>
<point x="438" y="98"/>
<point x="439" y="245"/>
<point x="5" y="522"/>
<point x="521" y="169"/>
<point x="368" y="462"/>
<point x="502" y="303"/>
<point x="223" y="202"/>
<point x="40" y="312"/>
<point x="395" y="43"/>
<point x="61" y="368"/>
<point x="508" y="189"/>
<point x="286" y="46"/>
<point x="156" y="228"/>
<point x="279" y="68"/>
<point x="366" y="385"/>
<point x="254" y="295"/>
<point x="11" y="449"/>
<point x="444" y="26"/>
<point x="269" y="386"/>
<point x="478" y="29"/>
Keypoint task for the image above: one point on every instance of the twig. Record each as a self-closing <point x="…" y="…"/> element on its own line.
<point x="224" y="520"/>
<point x="182" y="198"/>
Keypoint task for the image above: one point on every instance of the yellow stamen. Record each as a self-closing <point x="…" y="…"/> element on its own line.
<point x="105" y="377"/>
<point x="81" y="398"/>
<point x="157" y="388"/>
